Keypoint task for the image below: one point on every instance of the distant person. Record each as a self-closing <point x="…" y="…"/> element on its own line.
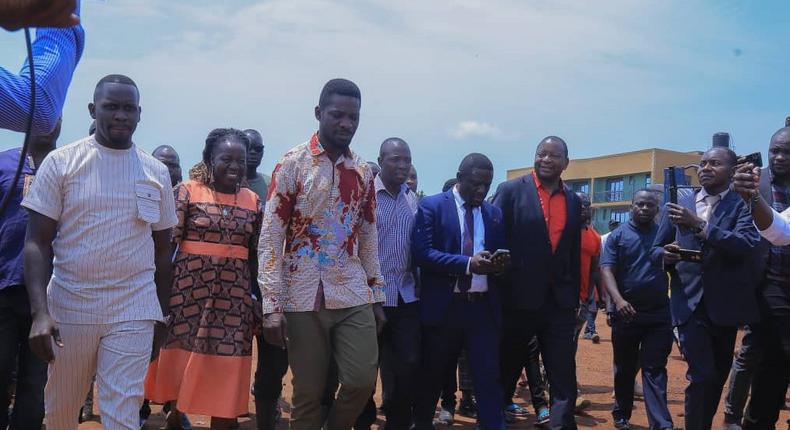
<point x="375" y="168"/>
<point x="449" y="184"/>
<point x="543" y="225"/>
<point x="15" y="316"/>
<point x="642" y="326"/>
<point x="411" y="180"/>
<point x="104" y="209"/>
<point x="320" y="277"/>
<point x="710" y="298"/>
<point x="590" y="282"/>
<point x="56" y="52"/>
<point x="455" y="236"/>
<point x="205" y="362"/>
<point x="169" y="157"/>
<point x="272" y="361"/>
<point x="256" y="181"/>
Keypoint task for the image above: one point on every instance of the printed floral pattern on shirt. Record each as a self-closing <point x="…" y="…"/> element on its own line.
<point x="319" y="233"/>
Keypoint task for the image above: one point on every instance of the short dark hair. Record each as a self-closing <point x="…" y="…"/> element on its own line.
<point x="163" y="148"/>
<point x="116" y="79"/>
<point x="449" y="184"/>
<point x="341" y="87"/>
<point x="557" y="139"/>
<point x="216" y="135"/>
<point x="732" y="158"/>
<point x="645" y="190"/>
<point x="391" y="141"/>
<point x="475" y="160"/>
<point x="254" y="132"/>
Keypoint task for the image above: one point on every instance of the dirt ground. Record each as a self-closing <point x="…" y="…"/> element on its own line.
<point x="595" y="376"/>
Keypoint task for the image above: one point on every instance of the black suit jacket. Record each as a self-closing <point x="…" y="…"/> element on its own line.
<point x="727" y="277"/>
<point x="537" y="274"/>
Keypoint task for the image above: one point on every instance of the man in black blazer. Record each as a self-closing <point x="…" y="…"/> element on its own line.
<point x="540" y="294"/>
<point x="456" y="235"/>
<point x="713" y="296"/>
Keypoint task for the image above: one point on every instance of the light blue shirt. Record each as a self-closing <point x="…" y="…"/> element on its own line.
<point x="479" y="282"/>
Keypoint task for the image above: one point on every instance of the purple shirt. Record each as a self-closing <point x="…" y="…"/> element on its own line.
<point x="394" y="222"/>
<point x="14" y="220"/>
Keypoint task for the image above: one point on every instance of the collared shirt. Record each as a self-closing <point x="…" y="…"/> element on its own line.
<point x="479" y="282"/>
<point x="56" y="52"/>
<point x="554" y="210"/>
<point x="701" y="202"/>
<point x="779" y="256"/>
<point x="106" y="203"/>
<point x="778" y="233"/>
<point x="13" y="221"/>
<point x="591" y="247"/>
<point x="641" y="282"/>
<point x="319" y="233"/>
<point x="395" y="222"/>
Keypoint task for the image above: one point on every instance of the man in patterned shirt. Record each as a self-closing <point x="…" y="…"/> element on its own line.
<point x="319" y="269"/>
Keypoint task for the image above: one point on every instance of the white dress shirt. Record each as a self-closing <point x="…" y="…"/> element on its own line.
<point x="778" y="233"/>
<point x="705" y="204"/>
<point x="479" y="282"/>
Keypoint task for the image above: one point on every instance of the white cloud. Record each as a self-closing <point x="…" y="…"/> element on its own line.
<point x="468" y="129"/>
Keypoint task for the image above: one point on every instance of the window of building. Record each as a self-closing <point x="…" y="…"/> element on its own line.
<point x="621" y="215"/>
<point x="614" y="189"/>
<point x="648" y="181"/>
<point x="579" y="186"/>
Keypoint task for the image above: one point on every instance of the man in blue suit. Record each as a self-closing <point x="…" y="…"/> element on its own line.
<point x="456" y="235"/>
<point x="713" y="296"/>
<point x="542" y="220"/>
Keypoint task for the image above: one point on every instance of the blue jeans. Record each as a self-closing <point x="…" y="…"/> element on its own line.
<point x="592" y="312"/>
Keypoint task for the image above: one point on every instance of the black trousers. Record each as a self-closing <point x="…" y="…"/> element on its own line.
<point x="770" y="380"/>
<point x="554" y="328"/>
<point x="708" y="349"/>
<point x="15" y="354"/>
<point x="400" y="357"/>
<point x="645" y="343"/>
<point x="271" y="367"/>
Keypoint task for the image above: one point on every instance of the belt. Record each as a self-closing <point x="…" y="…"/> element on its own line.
<point x="777" y="278"/>
<point x="470" y="297"/>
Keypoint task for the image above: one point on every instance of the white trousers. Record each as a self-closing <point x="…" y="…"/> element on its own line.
<point x="118" y="354"/>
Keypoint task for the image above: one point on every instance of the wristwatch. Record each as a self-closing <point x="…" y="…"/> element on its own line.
<point x="166" y="320"/>
<point x="700" y="226"/>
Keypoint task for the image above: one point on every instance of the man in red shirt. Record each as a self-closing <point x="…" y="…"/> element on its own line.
<point x="591" y="249"/>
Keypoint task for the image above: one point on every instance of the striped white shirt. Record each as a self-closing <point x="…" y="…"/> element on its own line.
<point x="394" y="222"/>
<point x="106" y="203"/>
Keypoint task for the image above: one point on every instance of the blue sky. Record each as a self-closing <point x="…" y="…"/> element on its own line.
<point x="450" y="77"/>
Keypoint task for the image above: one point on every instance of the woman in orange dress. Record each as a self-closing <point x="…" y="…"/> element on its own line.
<point x="204" y="365"/>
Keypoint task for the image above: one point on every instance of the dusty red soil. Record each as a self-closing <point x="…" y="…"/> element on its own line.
<point x="595" y="376"/>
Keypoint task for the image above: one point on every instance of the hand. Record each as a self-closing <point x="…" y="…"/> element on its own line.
<point x="481" y="263"/>
<point x="42" y="332"/>
<point x="501" y="263"/>
<point x="625" y="310"/>
<point x="15" y="14"/>
<point x="683" y="217"/>
<point x="160" y="336"/>
<point x="610" y="319"/>
<point x="671" y="253"/>
<point x="381" y="317"/>
<point x="746" y="181"/>
<point x="275" y="329"/>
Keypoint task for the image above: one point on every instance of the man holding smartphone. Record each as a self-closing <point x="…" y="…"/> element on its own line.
<point x="641" y="329"/>
<point x="712" y="297"/>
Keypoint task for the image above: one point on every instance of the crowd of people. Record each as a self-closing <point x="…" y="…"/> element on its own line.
<point x="118" y="270"/>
